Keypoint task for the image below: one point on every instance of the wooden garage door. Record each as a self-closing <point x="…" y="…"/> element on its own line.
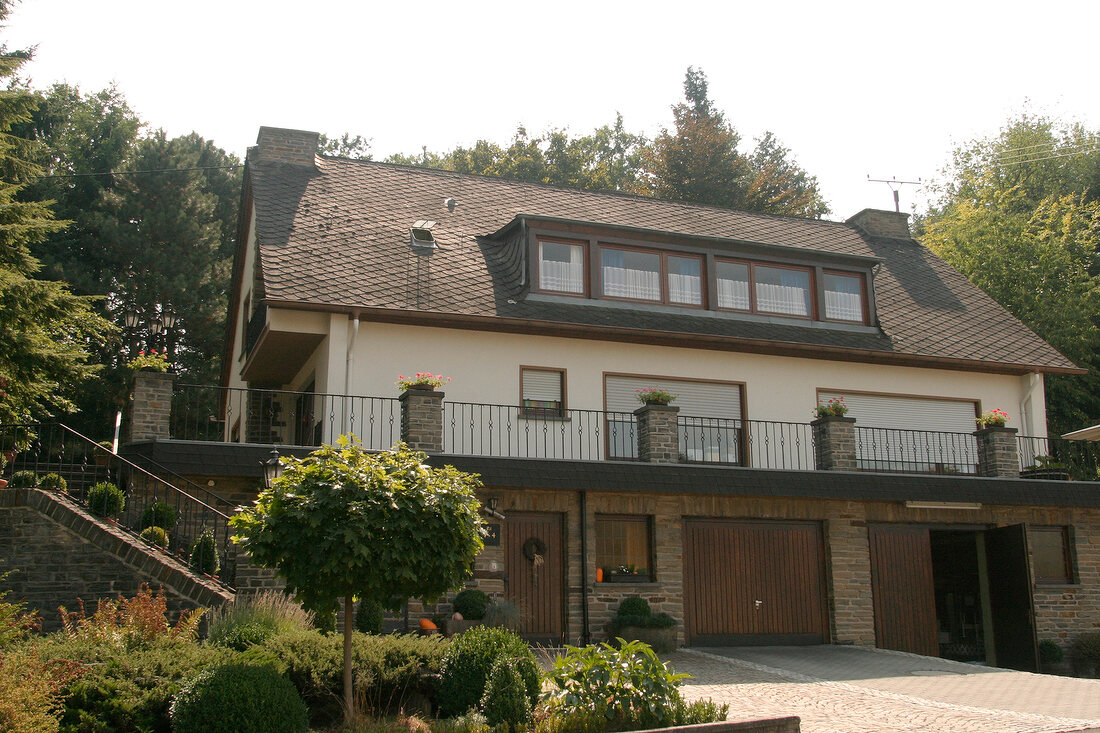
<point x="903" y="589"/>
<point x="749" y="582"/>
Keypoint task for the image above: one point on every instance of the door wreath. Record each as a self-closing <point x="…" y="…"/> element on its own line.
<point x="534" y="547"/>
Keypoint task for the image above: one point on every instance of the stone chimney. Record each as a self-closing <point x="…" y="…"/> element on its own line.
<point x="882" y="223"/>
<point x="279" y="145"/>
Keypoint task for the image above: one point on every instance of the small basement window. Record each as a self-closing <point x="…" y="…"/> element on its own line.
<point x="1050" y="552"/>
<point x="624" y="548"/>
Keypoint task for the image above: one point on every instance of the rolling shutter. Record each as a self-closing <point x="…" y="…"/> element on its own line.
<point x="907" y="413"/>
<point x="695" y="399"/>
<point x="542" y="385"/>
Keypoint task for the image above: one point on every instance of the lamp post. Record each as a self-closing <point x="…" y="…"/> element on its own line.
<point x="272" y="468"/>
<point x="160" y="324"/>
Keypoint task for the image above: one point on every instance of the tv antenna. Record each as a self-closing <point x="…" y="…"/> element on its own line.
<point x="894" y="184"/>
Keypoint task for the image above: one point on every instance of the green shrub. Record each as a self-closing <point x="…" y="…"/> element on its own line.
<point x="204" y="554"/>
<point x="1085" y="653"/>
<point x="106" y="499"/>
<point x="505" y="700"/>
<point x="629" y="687"/>
<point x="654" y="621"/>
<point x="32" y="689"/>
<point x="241" y="698"/>
<point x="251" y="619"/>
<point x="53" y="482"/>
<point x="501" y="612"/>
<point x="471" y="604"/>
<point x="122" y="687"/>
<point x="24" y="480"/>
<point x="471" y="722"/>
<point x="467" y="664"/>
<point x="159" y="514"/>
<point x="155" y="536"/>
<point x="1050" y="652"/>
<point x="368" y="617"/>
<point x="634" y="606"/>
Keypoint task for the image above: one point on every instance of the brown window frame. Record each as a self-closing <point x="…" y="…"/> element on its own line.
<point x="585" y="265"/>
<point x="754" y="307"/>
<point x="662" y="275"/>
<point x="542" y="413"/>
<point x="864" y="306"/>
<point x="647" y="521"/>
<point x="1065" y="533"/>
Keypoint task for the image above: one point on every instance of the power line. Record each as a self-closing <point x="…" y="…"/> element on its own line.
<point x="134" y="173"/>
<point x="1048" y="157"/>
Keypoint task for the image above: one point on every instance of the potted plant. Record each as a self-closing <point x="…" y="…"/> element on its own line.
<point x="150" y="362"/>
<point x="103" y="457"/>
<point x="155" y="536"/>
<point x="635" y="621"/>
<point x="654" y="396"/>
<point x="469" y="605"/>
<point x="834" y="407"/>
<point x="992" y="419"/>
<point x="106" y="500"/>
<point x="421" y="380"/>
<point x="1047" y="468"/>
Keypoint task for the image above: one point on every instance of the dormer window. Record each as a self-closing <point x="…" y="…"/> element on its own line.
<point x="844" y="299"/>
<point x="561" y="267"/>
<point x="648" y="275"/>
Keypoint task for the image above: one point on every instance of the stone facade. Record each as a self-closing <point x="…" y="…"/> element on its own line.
<point x="422" y="419"/>
<point x="59" y="553"/>
<point x="835" y="443"/>
<point x="998" y="454"/>
<point x="151" y="405"/>
<point x="658" y="433"/>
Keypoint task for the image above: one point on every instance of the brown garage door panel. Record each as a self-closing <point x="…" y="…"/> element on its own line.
<point x="903" y="589"/>
<point x="754" y="582"/>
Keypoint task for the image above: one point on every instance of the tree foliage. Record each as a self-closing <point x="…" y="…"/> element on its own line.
<point x="384" y="527"/>
<point x="1027" y="231"/>
<point x="45" y="330"/>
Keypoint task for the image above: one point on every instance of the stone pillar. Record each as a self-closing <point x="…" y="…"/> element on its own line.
<point x="835" y="443"/>
<point x="151" y="405"/>
<point x="998" y="455"/>
<point x="422" y="419"/>
<point x="851" y="606"/>
<point x="658" y="433"/>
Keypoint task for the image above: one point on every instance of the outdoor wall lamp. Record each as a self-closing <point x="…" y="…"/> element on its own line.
<point x="492" y="502"/>
<point x="271" y="467"/>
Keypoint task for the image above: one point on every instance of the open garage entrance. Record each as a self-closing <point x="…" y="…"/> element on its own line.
<point x="960" y="593"/>
<point x="753" y="583"/>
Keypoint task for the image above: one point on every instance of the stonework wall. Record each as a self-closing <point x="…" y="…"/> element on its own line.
<point x="58" y="554"/>
<point x="151" y="406"/>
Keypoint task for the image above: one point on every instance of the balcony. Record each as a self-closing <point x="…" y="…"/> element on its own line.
<point x="475" y="429"/>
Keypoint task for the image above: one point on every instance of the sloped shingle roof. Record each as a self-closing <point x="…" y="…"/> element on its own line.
<point x="338" y="236"/>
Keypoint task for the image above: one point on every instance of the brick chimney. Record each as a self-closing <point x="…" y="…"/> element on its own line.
<point x="279" y="145"/>
<point x="882" y="223"/>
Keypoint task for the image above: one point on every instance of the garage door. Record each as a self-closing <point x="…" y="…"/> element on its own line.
<point x="753" y="582"/>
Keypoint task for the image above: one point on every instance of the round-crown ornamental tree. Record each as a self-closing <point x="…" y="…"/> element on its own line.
<point x="385" y="527"/>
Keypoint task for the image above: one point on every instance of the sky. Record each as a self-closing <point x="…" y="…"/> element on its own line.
<point x="854" y="89"/>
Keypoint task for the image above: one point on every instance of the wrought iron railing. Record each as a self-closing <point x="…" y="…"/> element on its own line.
<point x="283" y="417"/>
<point x="915" y="451"/>
<point x="1058" y="458"/>
<point x="33" y="451"/>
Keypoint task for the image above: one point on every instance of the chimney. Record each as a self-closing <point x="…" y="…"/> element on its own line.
<point x="882" y="223"/>
<point x="279" y="145"/>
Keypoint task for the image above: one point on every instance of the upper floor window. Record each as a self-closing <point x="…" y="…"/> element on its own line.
<point x="659" y="277"/>
<point x="561" y="267"/>
<point x="754" y="287"/>
<point x="542" y="392"/>
<point x="844" y="297"/>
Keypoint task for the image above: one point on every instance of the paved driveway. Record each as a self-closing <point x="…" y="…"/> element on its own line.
<point x="840" y="689"/>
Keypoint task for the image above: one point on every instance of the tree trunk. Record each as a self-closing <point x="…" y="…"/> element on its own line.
<point x="349" y="695"/>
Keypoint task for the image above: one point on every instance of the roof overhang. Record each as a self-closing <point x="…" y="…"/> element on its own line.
<point x="1091" y="433"/>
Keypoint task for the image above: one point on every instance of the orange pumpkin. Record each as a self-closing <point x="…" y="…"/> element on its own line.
<point x="426" y="623"/>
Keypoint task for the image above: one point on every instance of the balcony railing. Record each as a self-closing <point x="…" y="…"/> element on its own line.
<point x="307" y="418"/>
<point x="915" y="451"/>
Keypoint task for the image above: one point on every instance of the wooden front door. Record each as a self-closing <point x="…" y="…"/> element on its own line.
<point x="903" y="589"/>
<point x="749" y="582"/>
<point x="535" y="557"/>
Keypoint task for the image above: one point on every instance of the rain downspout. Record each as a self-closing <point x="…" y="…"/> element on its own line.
<point x="1033" y="384"/>
<point x="586" y="636"/>
<point x="350" y="367"/>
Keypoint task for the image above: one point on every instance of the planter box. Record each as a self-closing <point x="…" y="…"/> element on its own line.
<point x="662" y="640"/>
<point x="452" y="627"/>
<point x="1047" y="474"/>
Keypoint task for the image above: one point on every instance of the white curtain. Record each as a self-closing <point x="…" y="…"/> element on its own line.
<point x="783" y="291"/>
<point x="561" y="275"/>
<point x="621" y="281"/>
<point x="843" y="298"/>
<point x="685" y="288"/>
<point x="733" y="294"/>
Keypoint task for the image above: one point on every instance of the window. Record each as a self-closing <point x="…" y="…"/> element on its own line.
<point x="542" y="392"/>
<point x="843" y="297"/>
<point x="624" y="548"/>
<point x="783" y="290"/>
<point x="733" y="286"/>
<point x="631" y="274"/>
<point x="561" y="267"/>
<point x="685" y="280"/>
<point x="1051" y="556"/>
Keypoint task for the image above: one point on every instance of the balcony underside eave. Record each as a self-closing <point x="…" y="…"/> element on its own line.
<point x="278" y="355"/>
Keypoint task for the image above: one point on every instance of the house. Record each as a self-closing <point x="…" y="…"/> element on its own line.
<point x="900" y="526"/>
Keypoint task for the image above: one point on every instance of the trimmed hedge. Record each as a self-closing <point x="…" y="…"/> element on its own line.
<point x="241" y="698"/>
